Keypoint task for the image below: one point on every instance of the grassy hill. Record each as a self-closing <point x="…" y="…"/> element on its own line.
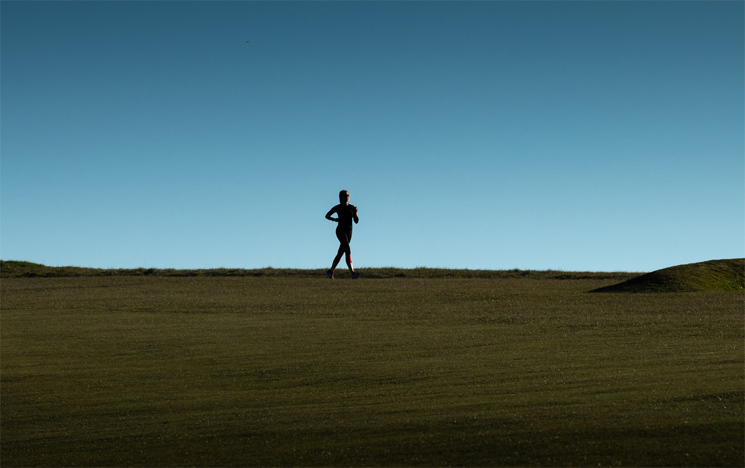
<point x="413" y="372"/>
<point x="20" y="269"/>
<point x="714" y="275"/>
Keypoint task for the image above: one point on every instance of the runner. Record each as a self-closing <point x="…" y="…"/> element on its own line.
<point x="346" y="213"/>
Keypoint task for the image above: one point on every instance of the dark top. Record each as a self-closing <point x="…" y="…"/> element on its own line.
<point x="346" y="214"/>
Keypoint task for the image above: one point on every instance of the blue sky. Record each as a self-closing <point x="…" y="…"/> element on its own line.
<point x="599" y="136"/>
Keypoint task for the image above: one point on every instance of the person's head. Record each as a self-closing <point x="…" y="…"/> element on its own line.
<point x="343" y="197"/>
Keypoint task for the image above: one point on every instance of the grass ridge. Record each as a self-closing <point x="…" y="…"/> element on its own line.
<point x="22" y="269"/>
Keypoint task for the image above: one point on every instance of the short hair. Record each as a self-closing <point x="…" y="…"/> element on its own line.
<point x="343" y="195"/>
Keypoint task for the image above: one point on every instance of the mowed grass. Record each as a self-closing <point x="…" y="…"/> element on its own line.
<point x="298" y="371"/>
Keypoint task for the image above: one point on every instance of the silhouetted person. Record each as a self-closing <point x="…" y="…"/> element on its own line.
<point x="346" y="213"/>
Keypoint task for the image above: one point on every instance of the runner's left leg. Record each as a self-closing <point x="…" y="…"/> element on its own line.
<point x="344" y="248"/>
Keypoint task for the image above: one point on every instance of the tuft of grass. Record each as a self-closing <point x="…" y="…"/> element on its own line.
<point x="714" y="275"/>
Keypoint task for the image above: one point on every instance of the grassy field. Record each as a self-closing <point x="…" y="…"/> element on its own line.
<point x="268" y="370"/>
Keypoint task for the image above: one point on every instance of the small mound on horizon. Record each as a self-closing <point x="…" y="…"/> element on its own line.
<point x="714" y="275"/>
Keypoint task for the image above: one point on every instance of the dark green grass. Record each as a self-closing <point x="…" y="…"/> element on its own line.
<point x="299" y="371"/>
<point x="714" y="275"/>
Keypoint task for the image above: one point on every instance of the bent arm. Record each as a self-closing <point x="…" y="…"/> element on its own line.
<point x="328" y="216"/>
<point x="356" y="218"/>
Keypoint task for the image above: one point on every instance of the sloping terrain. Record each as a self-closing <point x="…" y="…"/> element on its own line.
<point x="714" y="275"/>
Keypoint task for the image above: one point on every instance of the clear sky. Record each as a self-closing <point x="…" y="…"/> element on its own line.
<point x="603" y="136"/>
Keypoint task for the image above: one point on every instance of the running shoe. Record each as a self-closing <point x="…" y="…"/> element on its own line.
<point x="330" y="274"/>
<point x="355" y="275"/>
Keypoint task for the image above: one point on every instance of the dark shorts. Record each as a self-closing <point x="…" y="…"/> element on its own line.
<point x="345" y="237"/>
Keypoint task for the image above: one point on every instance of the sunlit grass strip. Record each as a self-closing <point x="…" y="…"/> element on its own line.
<point x="19" y="269"/>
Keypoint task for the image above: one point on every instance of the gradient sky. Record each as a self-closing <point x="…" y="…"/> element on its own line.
<point x="603" y="136"/>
